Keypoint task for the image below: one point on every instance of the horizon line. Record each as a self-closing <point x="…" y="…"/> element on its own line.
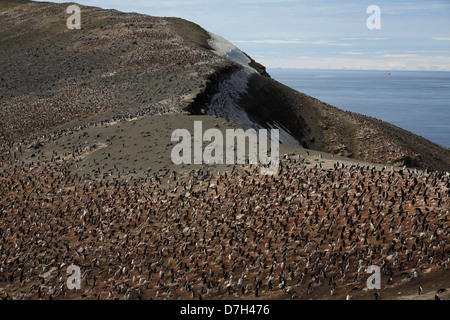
<point x="347" y="69"/>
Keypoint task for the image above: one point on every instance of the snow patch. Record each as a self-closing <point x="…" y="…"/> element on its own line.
<point x="224" y="48"/>
<point x="225" y="102"/>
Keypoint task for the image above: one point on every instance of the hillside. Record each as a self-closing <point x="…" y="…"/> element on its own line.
<point x="123" y="65"/>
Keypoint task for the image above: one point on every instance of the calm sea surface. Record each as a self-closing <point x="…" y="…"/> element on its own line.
<point x="418" y="101"/>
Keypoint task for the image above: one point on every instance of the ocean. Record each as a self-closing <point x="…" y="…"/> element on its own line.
<point x="418" y="101"/>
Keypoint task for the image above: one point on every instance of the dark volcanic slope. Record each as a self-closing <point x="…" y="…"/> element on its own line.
<point x="122" y="64"/>
<point x="320" y="126"/>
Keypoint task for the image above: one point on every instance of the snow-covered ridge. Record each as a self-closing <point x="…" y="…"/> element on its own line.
<point x="225" y="103"/>
<point x="224" y="48"/>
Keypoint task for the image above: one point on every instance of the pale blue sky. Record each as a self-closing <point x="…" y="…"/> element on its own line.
<point x="330" y="34"/>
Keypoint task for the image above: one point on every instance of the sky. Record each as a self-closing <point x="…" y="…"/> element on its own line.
<point x="318" y="34"/>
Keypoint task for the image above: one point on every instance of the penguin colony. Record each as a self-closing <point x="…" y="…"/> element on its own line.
<point x="235" y="235"/>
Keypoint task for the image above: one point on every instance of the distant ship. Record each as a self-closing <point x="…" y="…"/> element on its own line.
<point x="387" y="74"/>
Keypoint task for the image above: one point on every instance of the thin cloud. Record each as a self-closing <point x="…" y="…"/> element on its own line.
<point x="331" y="43"/>
<point x="293" y="41"/>
<point x="364" y="38"/>
<point x="271" y="41"/>
<point x="399" y="55"/>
